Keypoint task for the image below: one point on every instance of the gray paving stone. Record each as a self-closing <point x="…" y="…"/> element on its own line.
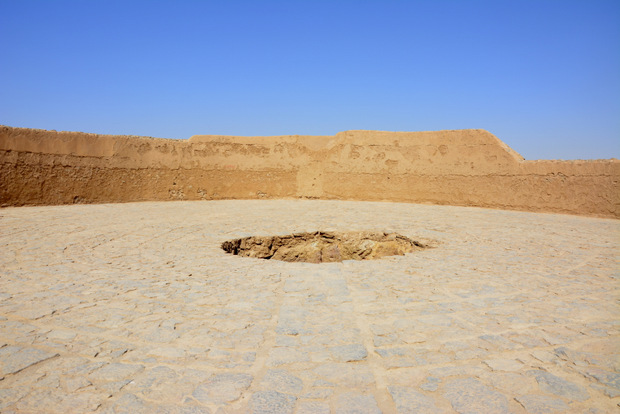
<point x="389" y="352"/>
<point x="542" y="404"/>
<point x="73" y="384"/>
<point x="544" y="356"/>
<point x="355" y="403"/>
<point x="503" y="364"/>
<point x="387" y="340"/>
<point x="271" y="402"/>
<point x="511" y="383"/>
<point x="528" y="340"/>
<point x="318" y="393"/>
<point x="86" y="368"/>
<point x="222" y="388"/>
<point x="115" y="372"/>
<point x="35" y="312"/>
<point x="380" y="329"/>
<point x="500" y="342"/>
<point x="607" y="378"/>
<point x="162" y="335"/>
<point x="296" y="284"/>
<point x="9" y="396"/>
<point x="61" y="334"/>
<point x="286" y="355"/>
<point x="14" y="359"/>
<point x="323" y="383"/>
<point x="450" y="371"/>
<point x="191" y="409"/>
<point x="558" y="386"/>
<point x="312" y="407"/>
<point x="113" y="387"/>
<point x="57" y="401"/>
<point x="410" y="401"/>
<point x="291" y="320"/>
<point x="8" y="351"/>
<point x="348" y="353"/>
<point x="608" y="391"/>
<point x="431" y="384"/>
<point x="436" y="320"/>
<point x="283" y="381"/>
<point x="129" y="404"/>
<point x="346" y="375"/>
<point x="153" y="377"/>
<point x="470" y="396"/>
<point x="21" y="333"/>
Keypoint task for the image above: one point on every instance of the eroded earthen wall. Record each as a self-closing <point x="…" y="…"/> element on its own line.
<point x="465" y="167"/>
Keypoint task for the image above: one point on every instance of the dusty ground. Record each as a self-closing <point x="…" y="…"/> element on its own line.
<point x="136" y="308"/>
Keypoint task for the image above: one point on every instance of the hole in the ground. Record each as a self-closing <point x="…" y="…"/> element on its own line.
<point x="319" y="247"/>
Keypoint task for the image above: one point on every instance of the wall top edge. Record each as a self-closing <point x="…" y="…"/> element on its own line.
<point x="91" y="134"/>
<point x="219" y="137"/>
<point x="466" y="137"/>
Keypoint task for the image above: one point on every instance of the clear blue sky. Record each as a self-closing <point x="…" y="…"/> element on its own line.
<point x="542" y="75"/>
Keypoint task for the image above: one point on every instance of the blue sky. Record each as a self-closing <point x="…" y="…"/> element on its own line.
<point x="542" y="75"/>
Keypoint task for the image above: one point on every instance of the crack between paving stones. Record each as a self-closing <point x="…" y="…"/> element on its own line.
<point x="382" y="395"/>
<point x="259" y="367"/>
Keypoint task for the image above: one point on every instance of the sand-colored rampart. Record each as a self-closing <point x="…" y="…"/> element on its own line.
<point x="463" y="167"/>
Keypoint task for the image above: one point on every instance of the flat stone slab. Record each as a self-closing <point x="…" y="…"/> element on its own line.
<point x="136" y="308"/>
<point x="15" y="358"/>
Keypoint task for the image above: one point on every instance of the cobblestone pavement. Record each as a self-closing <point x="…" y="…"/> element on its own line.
<point x="134" y="308"/>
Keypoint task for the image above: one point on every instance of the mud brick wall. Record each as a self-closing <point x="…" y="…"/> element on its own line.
<point x="463" y="167"/>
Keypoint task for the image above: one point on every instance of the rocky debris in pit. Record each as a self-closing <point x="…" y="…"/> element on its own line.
<point x="319" y="247"/>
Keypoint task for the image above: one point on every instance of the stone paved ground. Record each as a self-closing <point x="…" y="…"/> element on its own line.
<point x="133" y="308"/>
